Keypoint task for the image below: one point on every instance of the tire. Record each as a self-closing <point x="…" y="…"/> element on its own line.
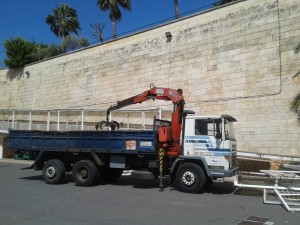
<point x="190" y="178"/>
<point x="209" y="181"/>
<point x="53" y="171"/>
<point x="84" y="173"/>
<point x="110" y="174"/>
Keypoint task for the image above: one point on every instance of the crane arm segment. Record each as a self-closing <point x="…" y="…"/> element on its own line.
<point x="173" y="147"/>
<point x="166" y="94"/>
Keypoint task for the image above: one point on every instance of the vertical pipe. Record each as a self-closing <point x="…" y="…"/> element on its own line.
<point x="128" y="121"/>
<point x="30" y="120"/>
<point x="1" y="147"/>
<point x="48" y="121"/>
<point x="159" y="116"/>
<point x="67" y="122"/>
<point x="143" y="120"/>
<point x="82" y="118"/>
<point x="13" y="120"/>
<point x="57" y="128"/>
<point x="110" y="115"/>
<point x="77" y="124"/>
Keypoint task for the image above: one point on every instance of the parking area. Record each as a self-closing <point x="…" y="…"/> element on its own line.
<point x="26" y="199"/>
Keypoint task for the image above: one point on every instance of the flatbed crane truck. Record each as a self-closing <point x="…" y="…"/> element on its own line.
<point x="191" y="150"/>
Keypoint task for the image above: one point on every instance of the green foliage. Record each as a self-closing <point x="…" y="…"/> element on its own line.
<point x="114" y="10"/>
<point x="40" y="52"/>
<point x="84" y="42"/>
<point x="295" y="104"/>
<point x="176" y="6"/>
<point x="113" y="6"/>
<point x="72" y="43"/>
<point x="63" y="21"/>
<point x="53" y="50"/>
<point x="297" y="49"/>
<point x="18" y="52"/>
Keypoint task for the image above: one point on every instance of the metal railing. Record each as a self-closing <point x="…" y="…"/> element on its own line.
<point x="74" y="119"/>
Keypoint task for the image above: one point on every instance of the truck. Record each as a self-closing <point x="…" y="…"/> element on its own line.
<point x="190" y="150"/>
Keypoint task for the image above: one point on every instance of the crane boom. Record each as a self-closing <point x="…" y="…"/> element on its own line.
<point x="166" y="94"/>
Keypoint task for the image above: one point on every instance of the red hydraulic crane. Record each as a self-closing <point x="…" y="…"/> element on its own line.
<point x="169" y="137"/>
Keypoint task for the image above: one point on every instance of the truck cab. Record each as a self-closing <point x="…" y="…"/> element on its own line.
<point x="212" y="139"/>
<point x="208" y="152"/>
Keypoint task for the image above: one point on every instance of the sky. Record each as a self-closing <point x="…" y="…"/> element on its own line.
<point x="26" y="18"/>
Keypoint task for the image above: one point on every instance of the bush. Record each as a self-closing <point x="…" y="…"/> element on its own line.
<point x="72" y="43"/>
<point x="18" y="52"/>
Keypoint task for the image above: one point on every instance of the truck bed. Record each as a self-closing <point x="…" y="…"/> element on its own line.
<point x="131" y="142"/>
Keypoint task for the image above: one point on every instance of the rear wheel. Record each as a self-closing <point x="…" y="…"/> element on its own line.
<point x="84" y="173"/>
<point x="53" y="171"/>
<point x="190" y="178"/>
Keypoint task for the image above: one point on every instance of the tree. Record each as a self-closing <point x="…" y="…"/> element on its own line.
<point x="40" y="52"/>
<point x="53" y="50"/>
<point x="63" y="21"/>
<point x="295" y="104"/>
<point x="115" y="13"/>
<point x="72" y="43"/>
<point x="176" y="9"/>
<point x="97" y="31"/>
<point x="222" y="2"/>
<point x="19" y="52"/>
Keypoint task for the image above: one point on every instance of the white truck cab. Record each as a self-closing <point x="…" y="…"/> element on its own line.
<point x="212" y="139"/>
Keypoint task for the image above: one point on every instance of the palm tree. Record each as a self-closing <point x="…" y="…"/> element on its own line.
<point x="115" y="13"/>
<point x="295" y="104"/>
<point x="176" y="9"/>
<point x="63" y="21"/>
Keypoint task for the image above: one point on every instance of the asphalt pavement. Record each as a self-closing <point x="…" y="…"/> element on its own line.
<point x="26" y="199"/>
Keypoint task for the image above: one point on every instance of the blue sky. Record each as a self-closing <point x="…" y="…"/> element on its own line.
<point x="26" y="18"/>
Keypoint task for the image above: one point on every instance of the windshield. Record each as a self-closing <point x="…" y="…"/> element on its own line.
<point x="210" y="127"/>
<point x="229" y="132"/>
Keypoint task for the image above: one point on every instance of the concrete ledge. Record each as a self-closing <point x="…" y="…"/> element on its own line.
<point x="10" y="161"/>
<point x="252" y="165"/>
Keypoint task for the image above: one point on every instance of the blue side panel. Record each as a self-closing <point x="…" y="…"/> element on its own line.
<point x="131" y="142"/>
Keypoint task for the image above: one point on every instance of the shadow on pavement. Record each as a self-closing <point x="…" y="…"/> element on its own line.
<point x="220" y="188"/>
<point x="137" y="183"/>
<point x="215" y="188"/>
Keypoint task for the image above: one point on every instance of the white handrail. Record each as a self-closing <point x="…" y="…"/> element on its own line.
<point x="9" y="119"/>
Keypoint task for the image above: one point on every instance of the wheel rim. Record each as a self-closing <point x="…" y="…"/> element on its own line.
<point x="51" y="172"/>
<point x="83" y="174"/>
<point x="188" y="178"/>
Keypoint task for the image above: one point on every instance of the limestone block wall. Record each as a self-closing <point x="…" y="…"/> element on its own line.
<point x="236" y="60"/>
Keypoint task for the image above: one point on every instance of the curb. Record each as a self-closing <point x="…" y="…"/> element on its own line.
<point x="14" y="161"/>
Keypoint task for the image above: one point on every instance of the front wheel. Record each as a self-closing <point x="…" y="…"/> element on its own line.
<point x="53" y="171"/>
<point x="84" y="173"/>
<point x="190" y="178"/>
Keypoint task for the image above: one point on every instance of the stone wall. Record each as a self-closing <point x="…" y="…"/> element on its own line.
<point x="235" y="60"/>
